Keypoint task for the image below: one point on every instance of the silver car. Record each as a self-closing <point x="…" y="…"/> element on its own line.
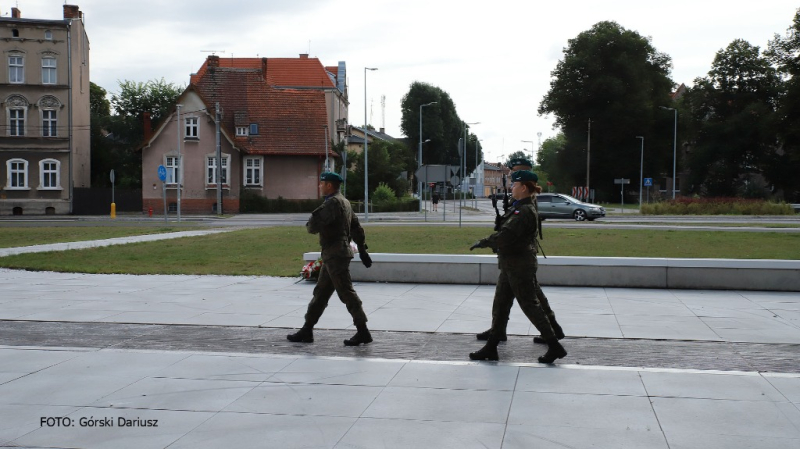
<point x="558" y="205"/>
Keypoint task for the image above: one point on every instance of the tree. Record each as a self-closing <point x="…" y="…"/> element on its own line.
<point x="386" y="164"/>
<point x="732" y="111"/>
<point x="617" y="79"/>
<point x="441" y="124"/>
<point x="547" y="160"/>
<point x="783" y="164"/>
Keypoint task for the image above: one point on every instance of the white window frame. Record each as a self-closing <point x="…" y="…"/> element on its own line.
<point x="16" y="69"/>
<point x="50" y="177"/>
<point x="15" y="129"/>
<point x="49" y="123"/>
<point x="49" y="72"/>
<point x="241" y="131"/>
<point x="191" y="129"/>
<point x="171" y="163"/>
<point x="14" y="171"/>
<point x="253" y="167"/>
<point x="211" y="170"/>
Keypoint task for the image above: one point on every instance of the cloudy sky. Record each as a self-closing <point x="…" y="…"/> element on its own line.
<point x="494" y="58"/>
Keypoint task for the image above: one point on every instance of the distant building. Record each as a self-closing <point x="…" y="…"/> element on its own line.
<point x="493" y="177"/>
<point x="44" y="113"/>
<point x="280" y="118"/>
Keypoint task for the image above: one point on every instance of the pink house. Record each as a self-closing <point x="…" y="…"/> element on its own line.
<point x="276" y="116"/>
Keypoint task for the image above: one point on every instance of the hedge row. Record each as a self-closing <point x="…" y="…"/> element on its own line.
<point x="716" y="206"/>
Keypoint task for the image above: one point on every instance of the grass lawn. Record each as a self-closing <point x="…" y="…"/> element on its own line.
<point x="14" y="236"/>
<point x="278" y="251"/>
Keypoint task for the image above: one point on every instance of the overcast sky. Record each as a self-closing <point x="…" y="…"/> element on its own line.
<point x="494" y="58"/>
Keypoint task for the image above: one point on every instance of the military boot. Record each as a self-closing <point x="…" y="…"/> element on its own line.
<point x="554" y="351"/>
<point x="483" y="336"/>
<point x="556" y="329"/>
<point x="304" y="335"/>
<point x="362" y="336"/>
<point x="488" y="352"/>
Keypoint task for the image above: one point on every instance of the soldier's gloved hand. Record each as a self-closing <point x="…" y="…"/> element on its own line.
<point x="476" y="245"/>
<point x="364" y="255"/>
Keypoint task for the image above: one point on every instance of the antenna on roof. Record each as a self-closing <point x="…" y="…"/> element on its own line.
<point x="213" y="52"/>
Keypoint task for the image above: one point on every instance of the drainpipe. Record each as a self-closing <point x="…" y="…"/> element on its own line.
<point x="69" y="112"/>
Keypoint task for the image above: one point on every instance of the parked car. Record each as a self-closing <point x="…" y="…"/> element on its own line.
<point x="558" y="205"/>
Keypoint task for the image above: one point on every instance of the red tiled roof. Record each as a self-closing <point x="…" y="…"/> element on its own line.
<point x="281" y="72"/>
<point x="290" y="121"/>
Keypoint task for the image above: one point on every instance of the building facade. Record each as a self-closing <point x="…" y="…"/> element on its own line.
<point x="44" y="113"/>
<point x="279" y="119"/>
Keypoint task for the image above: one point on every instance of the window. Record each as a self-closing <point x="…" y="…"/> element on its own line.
<point x="15" y="33"/>
<point x="49" y="123"/>
<point x="49" y="174"/>
<point x="241" y="130"/>
<point x="253" y="128"/>
<point x="173" y="173"/>
<point x="48" y="35"/>
<point x="211" y="165"/>
<point x="48" y="70"/>
<point x="16" y="69"/>
<point x="17" y="174"/>
<point x="16" y="122"/>
<point x="191" y="128"/>
<point x="252" y="171"/>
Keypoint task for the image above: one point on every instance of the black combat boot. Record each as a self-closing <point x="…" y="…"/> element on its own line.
<point x="483" y="336"/>
<point x="554" y="351"/>
<point x="304" y="335"/>
<point x="362" y="336"/>
<point x="488" y="352"/>
<point x="556" y="328"/>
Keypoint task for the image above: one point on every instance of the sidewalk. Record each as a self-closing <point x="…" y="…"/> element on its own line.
<point x="205" y="359"/>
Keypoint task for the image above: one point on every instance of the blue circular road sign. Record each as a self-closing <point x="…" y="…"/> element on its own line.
<point x="162" y="173"/>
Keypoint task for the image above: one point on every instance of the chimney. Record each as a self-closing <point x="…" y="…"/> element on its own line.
<point x="72" y="12"/>
<point x="303" y="55"/>
<point x="15" y="13"/>
<point x="383" y="130"/>
<point x="213" y="61"/>
<point x="148" y="126"/>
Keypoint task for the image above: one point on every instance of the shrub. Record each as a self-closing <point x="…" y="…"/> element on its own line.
<point x="383" y="195"/>
<point x="716" y="206"/>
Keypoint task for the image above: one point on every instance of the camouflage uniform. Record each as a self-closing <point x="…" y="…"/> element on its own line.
<point x="515" y="244"/>
<point x="336" y="225"/>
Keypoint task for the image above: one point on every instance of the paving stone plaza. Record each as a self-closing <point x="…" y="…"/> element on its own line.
<point x="121" y="361"/>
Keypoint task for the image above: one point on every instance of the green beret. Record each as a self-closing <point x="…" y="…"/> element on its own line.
<point x="330" y="177"/>
<point x="520" y="161"/>
<point x="524" y="175"/>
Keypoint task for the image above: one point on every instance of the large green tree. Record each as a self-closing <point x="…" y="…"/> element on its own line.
<point x="386" y="165"/>
<point x="441" y="124"/>
<point x="617" y="79"/>
<point x="732" y="112"/>
<point x="783" y="164"/>
<point x="547" y="160"/>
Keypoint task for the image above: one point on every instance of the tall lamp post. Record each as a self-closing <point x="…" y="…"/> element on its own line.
<point x="419" y="155"/>
<point x="641" y="173"/>
<point x="366" y="144"/>
<point x="674" y="148"/>
<point x="463" y="168"/>
<point x="532" y="147"/>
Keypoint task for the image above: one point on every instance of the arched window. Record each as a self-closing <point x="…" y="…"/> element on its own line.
<point x="49" y="174"/>
<point x="49" y="105"/>
<point x="16" y="107"/>
<point x="17" y="170"/>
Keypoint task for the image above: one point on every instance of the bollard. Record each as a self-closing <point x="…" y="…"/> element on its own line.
<point x="113" y="210"/>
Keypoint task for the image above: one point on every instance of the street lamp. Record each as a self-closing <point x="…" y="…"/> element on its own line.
<point x="674" y="148"/>
<point x="366" y="144"/>
<point x="419" y="156"/>
<point x="641" y="173"/>
<point x="463" y="168"/>
<point x="532" y="147"/>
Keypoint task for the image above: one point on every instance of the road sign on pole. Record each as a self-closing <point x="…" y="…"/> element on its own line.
<point x="648" y="182"/>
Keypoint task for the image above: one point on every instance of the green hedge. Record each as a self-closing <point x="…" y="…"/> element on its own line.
<point x="716" y="206"/>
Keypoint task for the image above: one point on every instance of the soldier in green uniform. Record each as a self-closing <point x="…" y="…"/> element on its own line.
<point x="516" y="246"/>
<point x="336" y="225"/>
<point x="504" y="310"/>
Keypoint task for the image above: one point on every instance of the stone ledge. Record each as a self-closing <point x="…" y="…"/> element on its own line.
<point x="630" y="272"/>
